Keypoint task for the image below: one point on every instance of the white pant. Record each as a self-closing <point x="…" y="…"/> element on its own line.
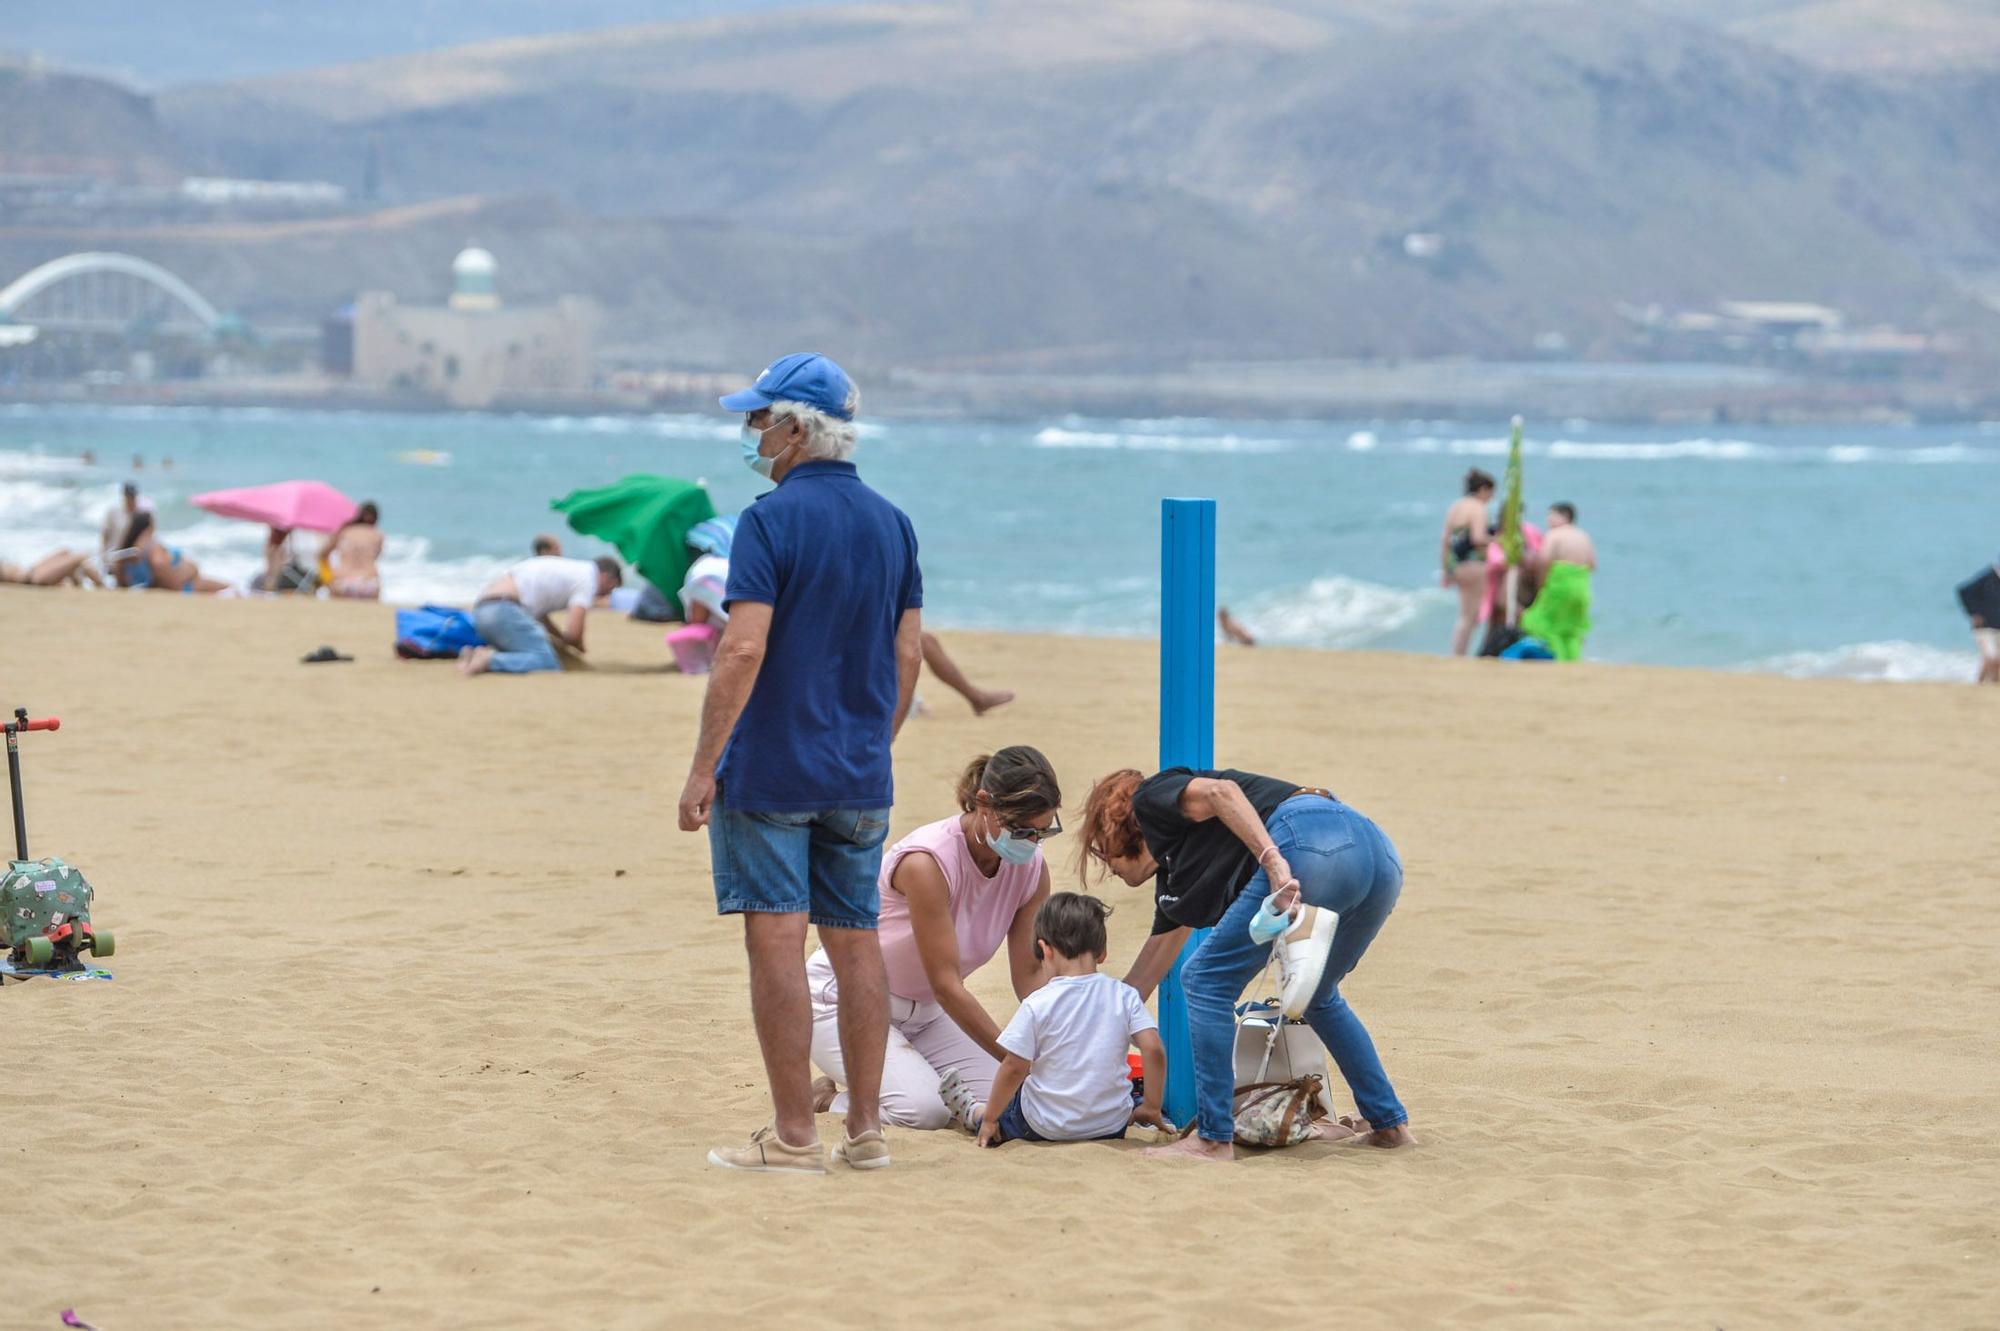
<point x="924" y="1044"/>
<point x="1989" y="643"/>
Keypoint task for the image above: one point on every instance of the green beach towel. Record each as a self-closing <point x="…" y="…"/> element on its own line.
<point x="1560" y="615"/>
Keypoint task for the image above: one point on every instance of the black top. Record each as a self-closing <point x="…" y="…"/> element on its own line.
<point x="1202" y="865"/>
<point x="1981" y="596"/>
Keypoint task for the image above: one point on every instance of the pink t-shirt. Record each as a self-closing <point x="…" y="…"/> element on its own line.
<point x="982" y="908"/>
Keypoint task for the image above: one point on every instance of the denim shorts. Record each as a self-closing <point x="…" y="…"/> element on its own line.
<point x="1014" y="1126"/>
<point x="823" y="865"/>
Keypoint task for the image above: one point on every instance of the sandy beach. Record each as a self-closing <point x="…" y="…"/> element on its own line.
<point x="423" y="1016"/>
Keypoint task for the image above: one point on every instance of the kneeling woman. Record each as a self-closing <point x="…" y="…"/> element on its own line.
<point x="952" y="892"/>
<point x="1214" y="844"/>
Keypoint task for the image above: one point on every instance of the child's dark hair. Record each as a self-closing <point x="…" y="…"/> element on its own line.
<point x="1072" y="924"/>
<point x="1567" y="510"/>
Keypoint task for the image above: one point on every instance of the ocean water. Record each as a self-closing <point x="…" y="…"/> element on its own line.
<point x="1800" y="550"/>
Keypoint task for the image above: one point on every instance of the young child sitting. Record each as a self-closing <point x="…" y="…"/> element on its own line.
<point x="1065" y="1078"/>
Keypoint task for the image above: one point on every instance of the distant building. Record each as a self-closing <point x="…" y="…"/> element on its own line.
<point x="472" y="351"/>
<point x="1782" y="318"/>
<point x="217" y="191"/>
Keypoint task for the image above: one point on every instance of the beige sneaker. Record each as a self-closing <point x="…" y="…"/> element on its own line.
<point x="868" y="1151"/>
<point x="766" y="1154"/>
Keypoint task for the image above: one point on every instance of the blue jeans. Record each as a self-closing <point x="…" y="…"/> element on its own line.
<point x="823" y="864"/>
<point x="519" y="644"/>
<point x="1344" y="864"/>
<point x="1014" y="1126"/>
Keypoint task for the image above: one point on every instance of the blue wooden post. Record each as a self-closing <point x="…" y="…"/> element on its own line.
<point x="1187" y="727"/>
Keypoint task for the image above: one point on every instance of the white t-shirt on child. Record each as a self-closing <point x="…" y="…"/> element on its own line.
<point x="1075" y="1030"/>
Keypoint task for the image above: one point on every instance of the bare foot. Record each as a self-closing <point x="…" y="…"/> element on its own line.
<point x="1390" y="1139"/>
<point x="823" y="1092"/>
<point x="1193" y="1148"/>
<point x="475" y="661"/>
<point x="988" y="699"/>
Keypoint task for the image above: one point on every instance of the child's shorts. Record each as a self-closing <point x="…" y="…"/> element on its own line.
<point x="1014" y="1126"/>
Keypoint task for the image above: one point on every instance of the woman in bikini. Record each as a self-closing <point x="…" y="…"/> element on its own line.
<point x="142" y="561"/>
<point x="1462" y="552"/>
<point x="351" y="554"/>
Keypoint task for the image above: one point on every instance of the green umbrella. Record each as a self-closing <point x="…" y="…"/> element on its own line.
<point x="647" y="518"/>
<point x="1510" y="525"/>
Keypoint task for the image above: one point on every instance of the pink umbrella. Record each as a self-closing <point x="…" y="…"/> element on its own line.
<point x="289" y="505"/>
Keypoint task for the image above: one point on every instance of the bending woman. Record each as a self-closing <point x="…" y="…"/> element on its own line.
<point x="952" y="892"/>
<point x="1214" y="843"/>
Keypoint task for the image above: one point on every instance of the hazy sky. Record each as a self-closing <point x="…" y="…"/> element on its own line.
<point x="153" y="43"/>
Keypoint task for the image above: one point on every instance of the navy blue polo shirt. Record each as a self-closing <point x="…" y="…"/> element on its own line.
<point x="837" y="564"/>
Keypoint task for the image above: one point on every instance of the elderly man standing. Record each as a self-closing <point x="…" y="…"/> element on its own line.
<point x="811" y="682"/>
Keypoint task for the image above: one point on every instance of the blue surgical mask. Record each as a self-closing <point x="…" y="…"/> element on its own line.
<point x="1010" y="847"/>
<point x="753" y="439"/>
<point x="1268" y="923"/>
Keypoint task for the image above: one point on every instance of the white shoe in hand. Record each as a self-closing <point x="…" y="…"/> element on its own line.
<point x="1302" y="957"/>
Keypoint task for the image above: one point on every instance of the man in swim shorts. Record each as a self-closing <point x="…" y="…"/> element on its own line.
<point x="1560" y="615"/>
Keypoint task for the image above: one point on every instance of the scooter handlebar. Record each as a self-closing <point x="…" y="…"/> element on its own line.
<point x="46" y="723"/>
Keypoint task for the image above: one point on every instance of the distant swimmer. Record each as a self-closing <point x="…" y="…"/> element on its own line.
<point x="1560" y="615"/>
<point x="1981" y="598"/>
<point x="1462" y="551"/>
<point x="546" y="544"/>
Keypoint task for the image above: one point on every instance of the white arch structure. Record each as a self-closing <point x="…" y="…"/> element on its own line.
<point x="37" y="280"/>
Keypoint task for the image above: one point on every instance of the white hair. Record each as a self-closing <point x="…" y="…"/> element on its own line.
<point x="828" y="438"/>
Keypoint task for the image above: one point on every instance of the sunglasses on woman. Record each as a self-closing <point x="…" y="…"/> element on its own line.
<point x="1036" y="834"/>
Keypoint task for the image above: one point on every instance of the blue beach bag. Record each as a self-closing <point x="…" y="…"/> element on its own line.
<point x="434" y="632"/>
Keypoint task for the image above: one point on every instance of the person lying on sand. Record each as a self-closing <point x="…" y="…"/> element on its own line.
<point x="1216" y="845"/>
<point x="1065" y="1077"/>
<point x="951" y="893"/>
<point x="143" y="561"/>
<point x="63" y="568"/>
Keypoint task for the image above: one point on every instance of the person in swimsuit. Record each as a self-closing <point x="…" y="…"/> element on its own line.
<point x="352" y="554"/>
<point x="142" y="561"/>
<point x="1216" y="845"/>
<point x="1463" y="554"/>
<point x="952" y="892"/>
<point x="62" y="567"/>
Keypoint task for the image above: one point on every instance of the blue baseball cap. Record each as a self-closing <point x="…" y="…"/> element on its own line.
<point x="803" y="376"/>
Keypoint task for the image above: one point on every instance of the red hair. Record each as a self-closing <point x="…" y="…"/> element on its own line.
<point x="1110" y="828"/>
